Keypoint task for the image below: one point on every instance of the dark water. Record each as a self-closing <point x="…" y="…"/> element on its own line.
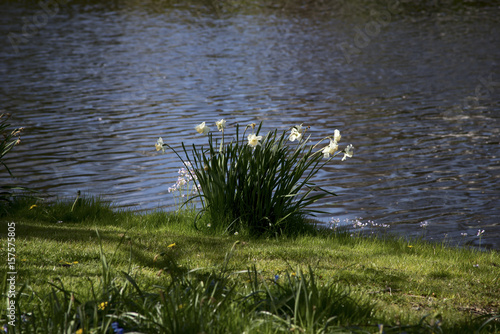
<point x="415" y="88"/>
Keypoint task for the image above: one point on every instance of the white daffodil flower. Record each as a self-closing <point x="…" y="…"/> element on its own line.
<point x="348" y="152"/>
<point x="330" y="149"/>
<point x="220" y="124"/>
<point x="296" y="133"/>
<point x="159" y="145"/>
<point x="336" y="136"/>
<point x="253" y="140"/>
<point x="202" y="128"/>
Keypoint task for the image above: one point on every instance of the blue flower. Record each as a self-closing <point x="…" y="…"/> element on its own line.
<point x="276" y="277"/>
<point x="116" y="328"/>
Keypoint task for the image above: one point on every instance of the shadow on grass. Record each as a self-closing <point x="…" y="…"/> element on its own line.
<point x="140" y="246"/>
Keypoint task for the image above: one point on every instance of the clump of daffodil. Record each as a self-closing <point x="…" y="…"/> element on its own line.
<point x="258" y="183"/>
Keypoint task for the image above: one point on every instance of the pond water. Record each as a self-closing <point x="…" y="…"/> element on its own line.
<point x="415" y="89"/>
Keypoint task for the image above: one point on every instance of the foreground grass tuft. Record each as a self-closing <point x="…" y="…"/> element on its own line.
<point x="86" y="268"/>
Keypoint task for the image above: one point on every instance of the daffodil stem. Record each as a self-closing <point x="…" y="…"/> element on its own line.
<point x="222" y="142"/>
<point x="76" y="200"/>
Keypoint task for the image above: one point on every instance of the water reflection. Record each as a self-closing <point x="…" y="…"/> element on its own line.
<point x="99" y="82"/>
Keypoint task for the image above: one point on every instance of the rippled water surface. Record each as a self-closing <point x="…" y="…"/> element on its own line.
<point x="415" y="90"/>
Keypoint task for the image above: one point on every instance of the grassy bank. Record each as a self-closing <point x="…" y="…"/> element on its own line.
<point x="85" y="268"/>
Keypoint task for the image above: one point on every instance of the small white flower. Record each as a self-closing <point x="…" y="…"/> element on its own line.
<point x="480" y="232"/>
<point x="202" y="128"/>
<point x="221" y="124"/>
<point x="159" y="145"/>
<point x="348" y="152"/>
<point x="424" y="224"/>
<point x="182" y="181"/>
<point x="330" y="149"/>
<point x="253" y="140"/>
<point x="296" y="133"/>
<point x="336" y="135"/>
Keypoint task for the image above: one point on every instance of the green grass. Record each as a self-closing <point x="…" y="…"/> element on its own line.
<point x="70" y="262"/>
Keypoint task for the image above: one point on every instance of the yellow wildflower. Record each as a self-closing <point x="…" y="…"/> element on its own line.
<point x="102" y="306"/>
